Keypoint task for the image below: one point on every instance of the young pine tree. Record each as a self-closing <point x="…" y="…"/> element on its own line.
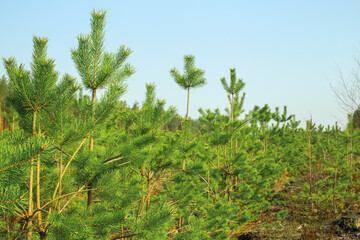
<point x="32" y="94"/>
<point x="233" y="89"/>
<point x="100" y="70"/>
<point x="192" y="77"/>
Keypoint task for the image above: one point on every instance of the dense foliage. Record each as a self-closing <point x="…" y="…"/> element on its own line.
<point x="74" y="166"/>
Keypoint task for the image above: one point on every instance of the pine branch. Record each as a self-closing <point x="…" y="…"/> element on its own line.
<point x="25" y="160"/>
<point x="67" y="165"/>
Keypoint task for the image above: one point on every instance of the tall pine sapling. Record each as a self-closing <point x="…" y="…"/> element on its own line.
<point x="100" y="70"/>
<point x="233" y="89"/>
<point x="32" y="93"/>
<point x="192" y="77"/>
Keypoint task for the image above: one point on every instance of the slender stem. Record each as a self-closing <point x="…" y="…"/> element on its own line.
<point x="38" y="204"/>
<point x="91" y="148"/>
<point x="91" y="145"/>
<point x="61" y="158"/>
<point x="63" y="196"/>
<point x="67" y="165"/>
<point x="60" y="177"/>
<point x="62" y="209"/>
<point x="31" y="179"/>
<point x="188" y="99"/>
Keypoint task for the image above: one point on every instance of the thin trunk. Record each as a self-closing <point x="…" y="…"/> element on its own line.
<point x="38" y="204"/>
<point x="61" y="159"/>
<point x="67" y="165"/>
<point x="184" y="164"/>
<point x="60" y="177"/>
<point x="122" y="232"/>
<point x="91" y="148"/>
<point x="91" y="145"/>
<point x="31" y="177"/>
<point x="284" y="128"/>
<point x="188" y="99"/>
<point x="186" y="129"/>
<point x="232" y="107"/>
<point x="236" y="146"/>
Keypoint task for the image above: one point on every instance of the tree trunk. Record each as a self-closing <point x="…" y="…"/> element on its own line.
<point x="38" y="204"/>
<point x="188" y="99"/>
<point x="231" y="120"/>
<point x="31" y="177"/>
<point x="91" y="145"/>
<point x="186" y="126"/>
<point x="60" y="177"/>
<point x="91" y="148"/>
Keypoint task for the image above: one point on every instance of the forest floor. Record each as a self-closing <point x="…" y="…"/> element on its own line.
<point x="301" y="223"/>
<point x="269" y="227"/>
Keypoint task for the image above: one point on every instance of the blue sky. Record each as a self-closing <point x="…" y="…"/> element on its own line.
<point x="287" y="52"/>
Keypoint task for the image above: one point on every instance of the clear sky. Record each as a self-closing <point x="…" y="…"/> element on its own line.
<point x="287" y="52"/>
